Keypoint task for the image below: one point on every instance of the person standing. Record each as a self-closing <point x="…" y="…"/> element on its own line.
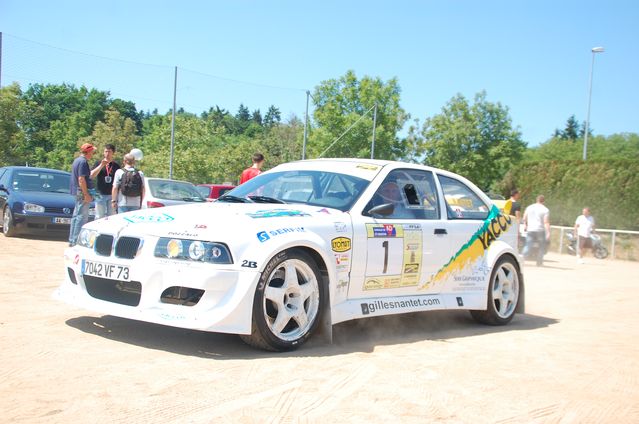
<point x="81" y="186"/>
<point x="128" y="187"/>
<point x="104" y="179"/>
<point x="515" y="206"/>
<point x="537" y="226"/>
<point x="584" y="226"/>
<point x="253" y="171"/>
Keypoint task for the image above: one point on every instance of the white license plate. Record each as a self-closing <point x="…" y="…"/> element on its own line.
<point x="104" y="270"/>
<point x="58" y="220"/>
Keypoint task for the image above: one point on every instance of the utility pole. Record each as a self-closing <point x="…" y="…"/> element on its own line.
<point x="173" y="124"/>
<point x="308" y="94"/>
<point x="374" y="125"/>
<point x="0" y="59"/>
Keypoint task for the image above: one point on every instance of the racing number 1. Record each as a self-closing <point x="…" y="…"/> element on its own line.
<point x="385" y="246"/>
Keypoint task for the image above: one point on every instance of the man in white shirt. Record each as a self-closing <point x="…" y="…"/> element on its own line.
<point x="122" y="200"/>
<point x="584" y="226"/>
<point x="537" y="226"/>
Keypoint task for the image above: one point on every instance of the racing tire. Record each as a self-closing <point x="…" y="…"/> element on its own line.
<point x="8" y="229"/>
<point x="503" y="293"/>
<point x="288" y="302"/>
<point x="601" y="252"/>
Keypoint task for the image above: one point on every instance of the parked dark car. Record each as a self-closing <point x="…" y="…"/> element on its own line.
<point x="213" y="191"/>
<point x="35" y="201"/>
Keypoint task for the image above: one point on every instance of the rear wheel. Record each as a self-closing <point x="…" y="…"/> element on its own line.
<point x="503" y="293"/>
<point x="288" y="302"/>
<point x="8" y="229"/>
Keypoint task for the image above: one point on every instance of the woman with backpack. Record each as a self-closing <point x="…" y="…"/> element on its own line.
<point x="128" y="186"/>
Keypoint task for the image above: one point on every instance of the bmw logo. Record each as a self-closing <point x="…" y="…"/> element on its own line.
<point x="67" y="211"/>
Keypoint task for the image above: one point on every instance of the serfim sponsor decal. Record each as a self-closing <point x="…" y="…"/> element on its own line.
<point x="341" y="244"/>
<point x="410" y="303"/>
<point x="274" y="213"/>
<point x="493" y="227"/>
<point x="262" y="236"/>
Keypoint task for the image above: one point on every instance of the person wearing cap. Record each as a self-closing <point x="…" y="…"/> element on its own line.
<point x="82" y="187"/>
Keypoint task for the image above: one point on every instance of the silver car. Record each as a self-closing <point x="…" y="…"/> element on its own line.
<point x="159" y="192"/>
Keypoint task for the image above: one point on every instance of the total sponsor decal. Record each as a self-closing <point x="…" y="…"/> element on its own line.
<point x="145" y="218"/>
<point x="275" y="213"/>
<point x="493" y="227"/>
<point x="263" y="236"/>
<point x="410" y="303"/>
<point x="341" y="244"/>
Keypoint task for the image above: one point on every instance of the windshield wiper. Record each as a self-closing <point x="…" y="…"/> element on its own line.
<point x="193" y="199"/>
<point x="234" y="199"/>
<point x="265" y="199"/>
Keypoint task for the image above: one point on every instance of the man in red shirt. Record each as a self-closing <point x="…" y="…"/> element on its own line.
<point x="253" y="171"/>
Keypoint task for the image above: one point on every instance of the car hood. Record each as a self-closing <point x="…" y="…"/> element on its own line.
<point x="43" y="198"/>
<point x="217" y="221"/>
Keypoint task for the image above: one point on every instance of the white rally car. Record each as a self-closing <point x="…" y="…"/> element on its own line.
<point x="309" y="242"/>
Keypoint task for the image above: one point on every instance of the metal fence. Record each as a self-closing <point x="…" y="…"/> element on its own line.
<point x="621" y="244"/>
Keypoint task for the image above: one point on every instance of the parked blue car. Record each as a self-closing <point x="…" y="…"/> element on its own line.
<point x="35" y="201"/>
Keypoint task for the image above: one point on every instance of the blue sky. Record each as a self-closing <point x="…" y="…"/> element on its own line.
<point x="532" y="56"/>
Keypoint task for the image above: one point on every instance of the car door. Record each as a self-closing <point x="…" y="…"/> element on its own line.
<point x="398" y="253"/>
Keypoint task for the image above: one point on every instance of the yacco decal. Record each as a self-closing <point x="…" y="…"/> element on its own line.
<point x="341" y="244"/>
<point x="274" y="213"/>
<point x="139" y="218"/>
<point x="493" y="227"/>
<point x="262" y="236"/>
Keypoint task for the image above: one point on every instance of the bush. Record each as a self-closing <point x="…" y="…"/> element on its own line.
<point x="610" y="188"/>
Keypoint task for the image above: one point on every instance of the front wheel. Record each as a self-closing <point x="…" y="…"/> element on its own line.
<point x="503" y="293"/>
<point x="8" y="229"/>
<point x="601" y="252"/>
<point x="287" y="303"/>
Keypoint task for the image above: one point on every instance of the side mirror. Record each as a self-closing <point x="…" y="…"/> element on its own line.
<point x="383" y="209"/>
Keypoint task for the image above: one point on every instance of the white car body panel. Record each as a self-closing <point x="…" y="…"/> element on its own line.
<point x="440" y="267"/>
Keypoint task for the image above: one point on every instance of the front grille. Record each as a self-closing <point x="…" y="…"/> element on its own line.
<point x="127" y="247"/>
<point x="57" y="211"/>
<point x="122" y="292"/>
<point x="103" y="244"/>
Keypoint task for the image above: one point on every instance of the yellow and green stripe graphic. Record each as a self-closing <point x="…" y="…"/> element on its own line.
<point x="493" y="227"/>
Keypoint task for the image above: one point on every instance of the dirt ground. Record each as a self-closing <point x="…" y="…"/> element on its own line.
<point x="572" y="358"/>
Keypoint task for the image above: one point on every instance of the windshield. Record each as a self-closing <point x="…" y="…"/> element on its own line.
<point x="174" y="190"/>
<point x="317" y="188"/>
<point x="41" y="181"/>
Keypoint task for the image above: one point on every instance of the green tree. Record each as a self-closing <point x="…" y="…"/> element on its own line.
<point x="116" y="129"/>
<point x="272" y="117"/>
<point x="475" y="140"/>
<point x="340" y="103"/>
<point x="11" y="136"/>
<point x="572" y="131"/>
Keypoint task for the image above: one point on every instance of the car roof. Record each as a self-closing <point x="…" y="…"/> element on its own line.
<point x="36" y="169"/>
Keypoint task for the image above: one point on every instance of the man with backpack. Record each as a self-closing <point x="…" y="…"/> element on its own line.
<point x="128" y="186"/>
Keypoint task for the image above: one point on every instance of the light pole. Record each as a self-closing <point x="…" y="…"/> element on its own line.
<point x="592" y="65"/>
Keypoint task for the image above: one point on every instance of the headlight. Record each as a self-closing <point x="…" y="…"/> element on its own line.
<point x="86" y="238"/>
<point x="193" y="250"/>
<point x="30" y="207"/>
